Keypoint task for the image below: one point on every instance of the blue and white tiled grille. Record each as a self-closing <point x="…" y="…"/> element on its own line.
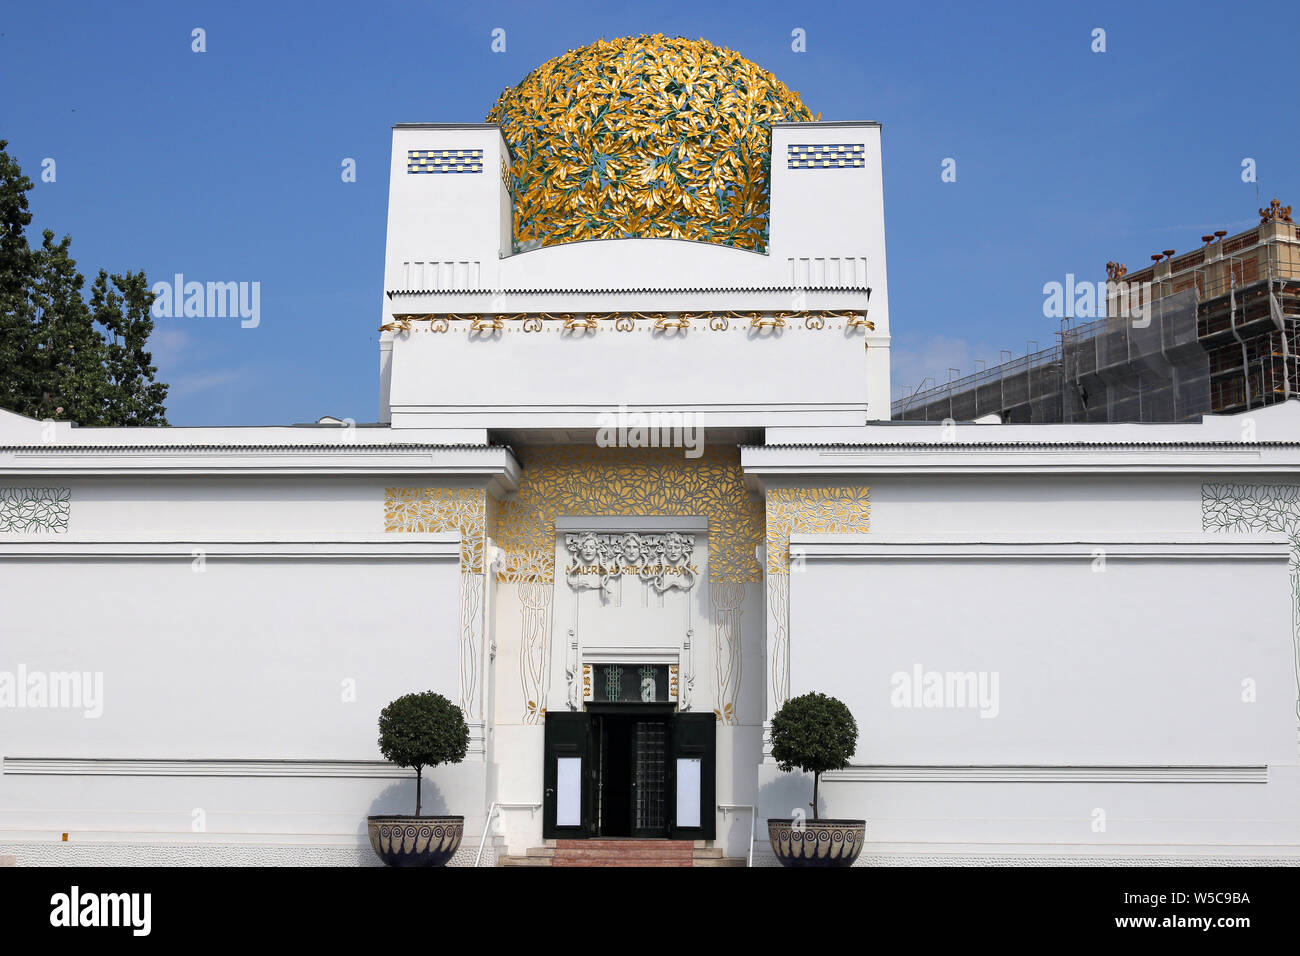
<point x="444" y="160"/>
<point x="827" y="156"/>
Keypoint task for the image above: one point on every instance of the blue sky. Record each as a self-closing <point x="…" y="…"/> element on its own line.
<point x="225" y="165"/>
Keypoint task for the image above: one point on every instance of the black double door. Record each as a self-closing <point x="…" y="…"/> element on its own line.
<point x="629" y="772"/>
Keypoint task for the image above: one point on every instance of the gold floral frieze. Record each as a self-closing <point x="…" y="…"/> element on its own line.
<point x="714" y="321"/>
<point x="589" y="481"/>
<point x="843" y="510"/>
<point x="442" y="510"/>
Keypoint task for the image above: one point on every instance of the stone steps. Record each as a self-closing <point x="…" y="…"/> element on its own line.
<point x="623" y="853"/>
<point x="658" y="853"/>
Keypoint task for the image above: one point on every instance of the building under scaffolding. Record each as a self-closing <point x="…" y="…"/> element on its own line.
<point x="1217" y="331"/>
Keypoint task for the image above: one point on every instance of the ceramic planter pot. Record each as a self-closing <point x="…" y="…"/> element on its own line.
<point x="415" y="841"/>
<point x="817" y="842"/>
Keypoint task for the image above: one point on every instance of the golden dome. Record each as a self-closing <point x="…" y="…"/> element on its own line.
<point x="644" y="136"/>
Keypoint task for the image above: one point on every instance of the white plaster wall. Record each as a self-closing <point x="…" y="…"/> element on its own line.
<point x="728" y="378"/>
<point x="205" y="505"/>
<point x="632" y="624"/>
<point x="829" y="213"/>
<point x="823" y="213"/>
<point x="1141" y="663"/>
<point x="446" y="217"/>
<point x="243" y="662"/>
<point x="518" y="746"/>
<point x="449" y="252"/>
<point x="1136" y="671"/>
<point x="1039" y="504"/>
<point x="1008" y="823"/>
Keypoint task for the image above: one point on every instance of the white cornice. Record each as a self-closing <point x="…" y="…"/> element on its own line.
<point x="1021" y="458"/>
<point x="236" y="767"/>
<point x="116" y="767"/>
<point x="347" y="547"/>
<point x="1131" y="547"/>
<point x="652" y="523"/>
<point x="494" y="465"/>
<point x="1047" y="774"/>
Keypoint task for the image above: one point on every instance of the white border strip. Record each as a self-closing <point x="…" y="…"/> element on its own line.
<point x="651" y="524"/>
<point x="125" y="767"/>
<point x="1188" y="547"/>
<point x="1041" y="774"/>
<point x="387" y="547"/>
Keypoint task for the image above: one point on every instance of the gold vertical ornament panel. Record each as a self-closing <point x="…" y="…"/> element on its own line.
<point x="534" y="648"/>
<point x="649" y="136"/>
<point x="588" y="481"/>
<point x="439" y="510"/>
<point x="727" y="598"/>
<point x="841" y="510"/>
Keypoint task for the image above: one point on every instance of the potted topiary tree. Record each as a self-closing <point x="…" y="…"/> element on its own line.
<point x="815" y="733"/>
<point x="418" y="731"/>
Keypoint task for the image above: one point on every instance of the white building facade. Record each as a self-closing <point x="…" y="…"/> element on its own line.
<point x="625" y="498"/>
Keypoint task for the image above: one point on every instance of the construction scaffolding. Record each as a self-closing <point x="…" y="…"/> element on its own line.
<point x="1218" y="332"/>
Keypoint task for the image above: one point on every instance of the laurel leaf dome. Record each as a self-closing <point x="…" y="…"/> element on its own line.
<point x="644" y="136"/>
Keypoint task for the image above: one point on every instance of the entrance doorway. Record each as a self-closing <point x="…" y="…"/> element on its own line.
<point x="631" y="774"/>
<point x="621" y="770"/>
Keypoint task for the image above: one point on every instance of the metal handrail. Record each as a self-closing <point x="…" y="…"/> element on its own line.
<point x="753" y="821"/>
<point x="496" y="808"/>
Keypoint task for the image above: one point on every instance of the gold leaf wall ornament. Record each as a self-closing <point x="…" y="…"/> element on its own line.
<point x="648" y="136"/>
<point x="441" y="510"/>
<point x="589" y="481"/>
<point x="845" y="510"/>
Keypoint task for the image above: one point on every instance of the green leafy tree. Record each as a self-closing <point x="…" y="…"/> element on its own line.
<point x="62" y="356"/>
<point x="422" y="730"/>
<point x="17" y="268"/>
<point x="813" y="733"/>
<point x="122" y="311"/>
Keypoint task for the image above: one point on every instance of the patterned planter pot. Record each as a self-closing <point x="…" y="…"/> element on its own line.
<point x="415" y="841"/>
<point x="817" y="842"/>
